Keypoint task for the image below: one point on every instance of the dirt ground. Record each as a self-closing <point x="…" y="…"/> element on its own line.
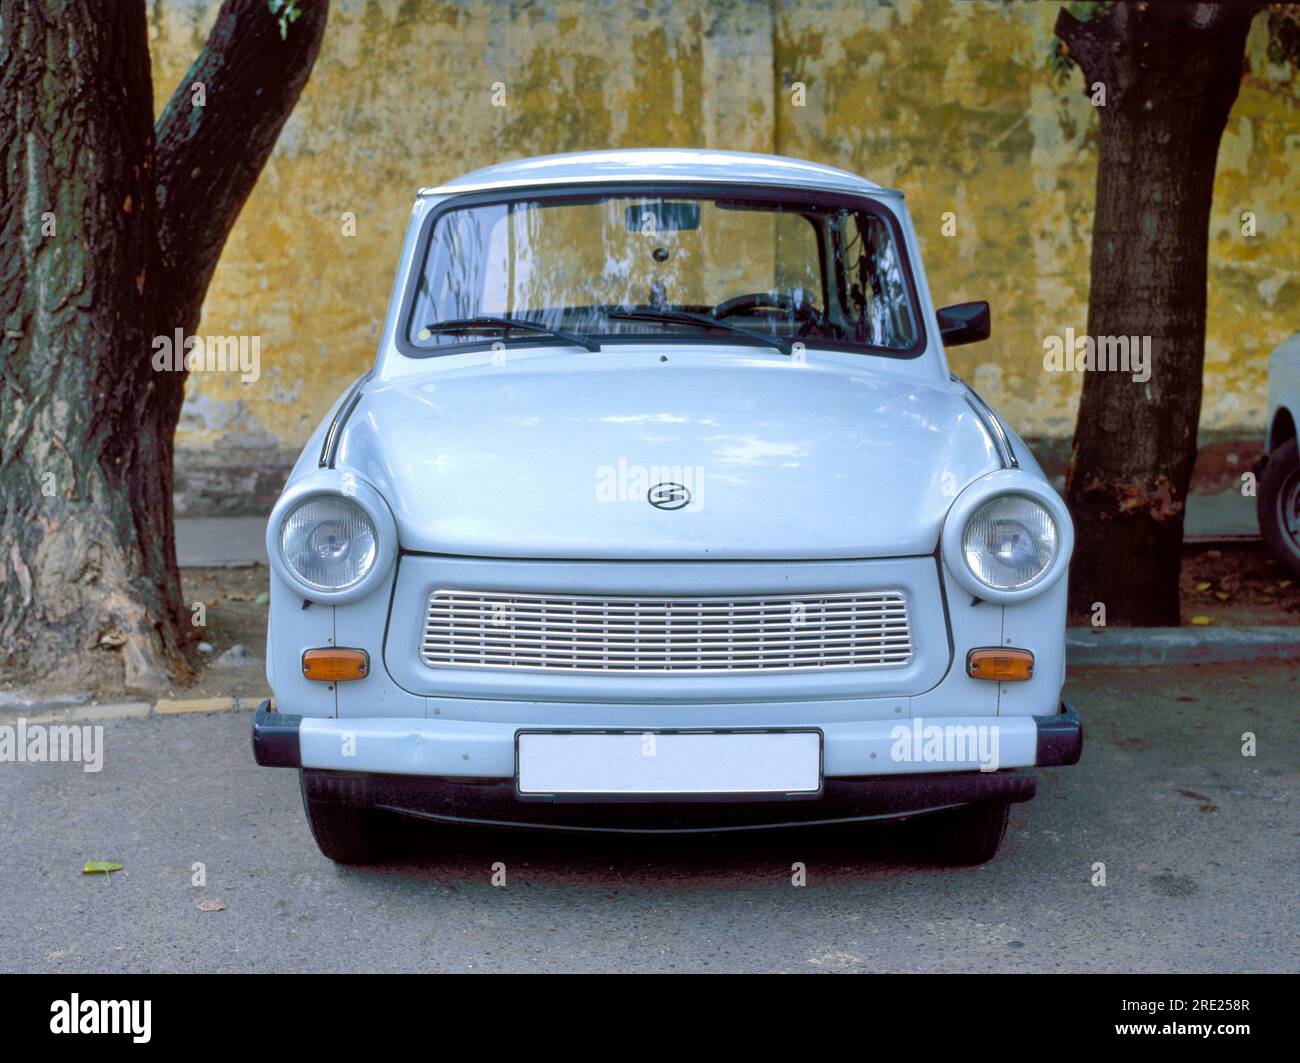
<point x="235" y="601"/>
<point x="1237" y="585"/>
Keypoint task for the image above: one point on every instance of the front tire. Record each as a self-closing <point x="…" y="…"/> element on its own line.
<point x="347" y="834"/>
<point x="1278" y="505"/>
<point x="968" y="836"/>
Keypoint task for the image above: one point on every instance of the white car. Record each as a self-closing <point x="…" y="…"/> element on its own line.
<point x="660" y="510"/>
<point x="1277" y="497"/>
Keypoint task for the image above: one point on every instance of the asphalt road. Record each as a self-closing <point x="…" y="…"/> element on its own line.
<point x="1199" y="843"/>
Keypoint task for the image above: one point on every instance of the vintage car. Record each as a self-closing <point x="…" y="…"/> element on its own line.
<point x="660" y="510"/>
<point x="1277" y="494"/>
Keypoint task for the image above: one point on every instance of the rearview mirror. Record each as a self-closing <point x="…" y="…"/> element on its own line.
<point x="964" y="323"/>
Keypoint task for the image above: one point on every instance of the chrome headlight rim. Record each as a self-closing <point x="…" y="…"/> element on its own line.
<point x="1005" y="483"/>
<point x="337" y="485"/>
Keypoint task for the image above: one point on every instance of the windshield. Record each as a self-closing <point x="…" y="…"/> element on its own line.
<point x="652" y="266"/>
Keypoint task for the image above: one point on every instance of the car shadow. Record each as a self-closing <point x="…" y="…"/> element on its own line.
<point x="471" y="855"/>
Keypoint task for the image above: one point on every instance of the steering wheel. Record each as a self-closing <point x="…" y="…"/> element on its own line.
<point x="766" y="300"/>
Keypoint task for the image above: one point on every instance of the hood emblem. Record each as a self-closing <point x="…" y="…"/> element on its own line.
<point x="669" y="496"/>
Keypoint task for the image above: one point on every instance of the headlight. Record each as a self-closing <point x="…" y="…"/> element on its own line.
<point x="1009" y="542"/>
<point x="329" y="542"/>
<point x="1007" y="537"/>
<point x="331" y="537"/>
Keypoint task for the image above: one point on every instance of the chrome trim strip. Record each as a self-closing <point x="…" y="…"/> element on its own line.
<point x="989" y="419"/>
<point x="648" y="176"/>
<point x="329" y="447"/>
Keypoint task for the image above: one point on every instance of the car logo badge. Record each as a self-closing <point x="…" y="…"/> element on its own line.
<point x="669" y="496"/>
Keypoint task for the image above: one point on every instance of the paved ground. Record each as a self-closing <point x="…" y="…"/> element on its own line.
<point x="202" y="541"/>
<point x="1199" y="844"/>
<point x="1225" y="514"/>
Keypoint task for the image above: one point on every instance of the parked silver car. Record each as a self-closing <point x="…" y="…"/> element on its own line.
<point x="1277" y="497"/>
<point x="660" y="510"/>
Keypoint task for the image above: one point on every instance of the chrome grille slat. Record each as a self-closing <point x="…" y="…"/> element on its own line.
<point x="757" y="650"/>
<point x="604" y="624"/>
<point x="601" y="608"/>
<point x="608" y="633"/>
<point x="592" y="632"/>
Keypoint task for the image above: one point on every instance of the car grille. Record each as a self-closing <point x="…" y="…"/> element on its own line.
<point x="597" y="633"/>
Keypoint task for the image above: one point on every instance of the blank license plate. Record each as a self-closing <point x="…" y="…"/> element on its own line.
<point x="772" y="762"/>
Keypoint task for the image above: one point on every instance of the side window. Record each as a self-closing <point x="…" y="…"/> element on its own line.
<point x="876" y="299"/>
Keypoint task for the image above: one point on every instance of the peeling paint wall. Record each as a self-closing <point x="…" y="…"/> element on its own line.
<point x="950" y="101"/>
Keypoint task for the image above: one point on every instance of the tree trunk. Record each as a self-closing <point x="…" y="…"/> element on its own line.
<point x="108" y="243"/>
<point x="76" y="139"/>
<point x="1171" y="74"/>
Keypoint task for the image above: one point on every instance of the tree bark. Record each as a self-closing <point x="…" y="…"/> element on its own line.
<point x="110" y="241"/>
<point x="1171" y="74"/>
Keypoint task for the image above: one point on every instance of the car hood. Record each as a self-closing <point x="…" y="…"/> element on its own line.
<point x="553" y="455"/>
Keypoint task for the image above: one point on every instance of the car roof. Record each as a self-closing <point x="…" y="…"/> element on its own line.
<point x="660" y="164"/>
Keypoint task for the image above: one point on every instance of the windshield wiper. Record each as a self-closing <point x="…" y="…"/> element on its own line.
<point x="685" y="317"/>
<point x="505" y="324"/>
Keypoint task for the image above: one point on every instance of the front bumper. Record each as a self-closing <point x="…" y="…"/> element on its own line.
<point x="492" y="802"/>
<point x="464" y="772"/>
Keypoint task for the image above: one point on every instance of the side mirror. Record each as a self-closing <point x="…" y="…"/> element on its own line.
<point x="964" y="323"/>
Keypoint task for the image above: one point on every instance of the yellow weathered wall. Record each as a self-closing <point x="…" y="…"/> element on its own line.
<point x="949" y="101"/>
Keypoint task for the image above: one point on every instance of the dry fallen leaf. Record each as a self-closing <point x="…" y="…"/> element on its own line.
<point x="1222" y="596"/>
<point x="217" y="905"/>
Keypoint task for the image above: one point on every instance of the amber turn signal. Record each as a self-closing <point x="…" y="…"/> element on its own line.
<point x="335" y="665"/>
<point x="1000" y="665"/>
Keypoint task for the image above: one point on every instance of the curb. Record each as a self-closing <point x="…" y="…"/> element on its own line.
<point x="1180" y="645"/>
<point x="127" y="709"/>
<point x="91" y="713"/>
<point x="170" y="707"/>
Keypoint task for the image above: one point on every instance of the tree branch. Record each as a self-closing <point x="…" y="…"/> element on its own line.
<point x="209" y="157"/>
<point x="1115" y="44"/>
<point x="1091" y="44"/>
